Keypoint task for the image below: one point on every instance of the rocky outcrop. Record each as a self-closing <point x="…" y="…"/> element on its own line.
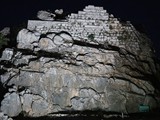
<point x="50" y="73"/>
<point x="44" y="15"/>
<point x="87" y="62"/>
<point x="5" y="31"/>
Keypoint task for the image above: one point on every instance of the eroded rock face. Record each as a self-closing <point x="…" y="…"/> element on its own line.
<point x="44" y="15"/>
<point x="11" y="105"/>
<point x="54" y="73"/>
<point x="4" y="117"/>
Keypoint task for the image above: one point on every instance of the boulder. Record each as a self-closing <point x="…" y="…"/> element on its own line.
<point x="44" y="15"/>
<point x="59" y="11"/>
<point x="26" y="38"/>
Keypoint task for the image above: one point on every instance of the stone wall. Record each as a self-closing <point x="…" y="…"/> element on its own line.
<point x="92" y="20"/>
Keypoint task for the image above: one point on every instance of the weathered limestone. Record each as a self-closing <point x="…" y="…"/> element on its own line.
<point x="53" y="72"/>
<point x="4" y="117"/>
<point x="34" y="105"/>
<point x="26" y="39"/>
<point x="59" y="12"/>
<point x="7" y="54"/>
<point x="11" y="105"/>
<point x="44" y="15"/>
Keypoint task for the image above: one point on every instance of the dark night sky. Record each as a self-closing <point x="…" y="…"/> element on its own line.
<point x="140" y="12"/>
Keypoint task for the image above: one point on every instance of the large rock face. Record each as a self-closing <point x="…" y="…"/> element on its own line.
<point x="52" y="72"/>
<point x="51" y="75"/>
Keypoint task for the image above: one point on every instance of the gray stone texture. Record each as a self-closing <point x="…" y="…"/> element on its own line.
<point x="57" y="73"/>
<point x="11" y="105"/>
<point x="44" y="15"/>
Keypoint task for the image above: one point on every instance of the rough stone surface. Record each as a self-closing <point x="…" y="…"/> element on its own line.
<point x="11" y="105"/>
<point x="7" y="54"/>
<point x="4" y="117"/>
<point x="44" y="15"/>
<point x="59" y="12"/>
<point x="53" y="72"/>
<point x="26" y="39"/>
<point x="34" y="105"/>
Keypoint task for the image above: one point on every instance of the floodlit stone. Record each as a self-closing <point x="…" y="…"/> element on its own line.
<point x="44" y="15"/>
<point x="59" y="12"/>
<point x="26" y="38"/>
<point x="11" y="105"/>
<point x="5" y="31"/>
<point x="58" y="40"/>
<point x="82" y="63"/>
<point x="7" y="54"/>
<point x="46" y="44"/>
